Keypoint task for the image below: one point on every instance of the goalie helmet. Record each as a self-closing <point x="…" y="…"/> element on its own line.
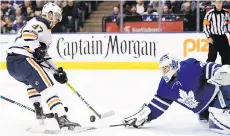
<point x="55" y="10"/>
<point x="169" y="65"/>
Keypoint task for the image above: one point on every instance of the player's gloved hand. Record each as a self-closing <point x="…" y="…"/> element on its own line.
<point x="139" y="118"/>
<point x="60" y="76"/>
<point x="221" y="77"/>
<point x="39" y="53"/>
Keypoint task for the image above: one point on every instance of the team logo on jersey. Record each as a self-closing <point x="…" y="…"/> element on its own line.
<point x="188" y="99"/>
<point x="36" y="83"/>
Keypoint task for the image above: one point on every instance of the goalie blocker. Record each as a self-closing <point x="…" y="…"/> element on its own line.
<point x="194" y="85"/>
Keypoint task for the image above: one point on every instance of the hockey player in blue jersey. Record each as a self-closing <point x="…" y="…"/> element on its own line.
<point x="195" y="85"/>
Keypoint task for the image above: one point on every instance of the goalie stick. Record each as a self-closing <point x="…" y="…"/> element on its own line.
<point x="49" y="115"/>
<point x="80" y="130"/>
<point x="101" y="116"/>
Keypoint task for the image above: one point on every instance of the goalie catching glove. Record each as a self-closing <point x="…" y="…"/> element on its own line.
<point x="221" y="77"/>
<point x="60" y="76"/>
<point x="139" y="118"/>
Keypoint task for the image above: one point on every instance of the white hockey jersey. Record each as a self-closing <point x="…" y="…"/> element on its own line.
<point x="32" y="35"/>
<point x="35" y="32"/>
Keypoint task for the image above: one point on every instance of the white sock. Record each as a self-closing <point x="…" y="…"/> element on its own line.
<point x="33" y="94"/>
<point x="53" y="101"/>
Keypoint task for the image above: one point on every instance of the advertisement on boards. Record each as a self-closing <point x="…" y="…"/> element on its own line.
<point x="100" y="51"/>
<point x="104" y="47"/>
<point x="120" y="51"/>
<point x="171" y="26"/>
<point x="197" y="46"/>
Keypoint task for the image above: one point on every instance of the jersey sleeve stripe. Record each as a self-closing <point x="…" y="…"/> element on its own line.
<point x="159" y="104"/>
<point x="210" y="69"/>
<point x="29" y="35"/>
<point x="160" y="100"/>
<point x="156" y="106"/>
<point x="207" y="71"/>
<point x="155" y="112"/>
<point x="213" y="69"/>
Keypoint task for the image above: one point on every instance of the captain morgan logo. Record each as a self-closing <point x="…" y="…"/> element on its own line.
<point x="107" y="46"/>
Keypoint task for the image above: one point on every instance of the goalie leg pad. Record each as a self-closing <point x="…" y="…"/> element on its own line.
<point x="219" y="120"/>
<point x="223" y="98"/>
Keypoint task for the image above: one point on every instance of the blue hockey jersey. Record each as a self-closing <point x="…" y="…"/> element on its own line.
<point x="189" y="88"/>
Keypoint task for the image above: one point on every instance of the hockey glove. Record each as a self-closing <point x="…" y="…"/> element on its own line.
<point x="139" y="118"/>
<point x="221" y="77"/>
<point x="39" y="53"/>
<point x="60" y="76"/>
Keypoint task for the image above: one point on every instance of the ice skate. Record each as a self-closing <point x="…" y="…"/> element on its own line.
<point x="64" y="123"/>
<point x="39" y="111"/>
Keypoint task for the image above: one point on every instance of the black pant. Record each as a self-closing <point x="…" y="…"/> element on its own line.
<point x="27" y="71"/>
<point x="221" y="45"/>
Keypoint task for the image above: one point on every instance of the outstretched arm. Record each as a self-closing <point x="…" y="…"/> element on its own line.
<point x="158" y="106"/>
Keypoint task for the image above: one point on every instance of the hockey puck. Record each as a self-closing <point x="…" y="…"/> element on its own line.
<point x="92" y="118"/>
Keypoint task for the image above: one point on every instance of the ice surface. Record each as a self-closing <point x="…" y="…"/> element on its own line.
<point x="122" y="90"/>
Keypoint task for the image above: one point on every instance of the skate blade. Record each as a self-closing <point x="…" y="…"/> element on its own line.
<point x="41" y="121"/>
<point x="42" y="131"/>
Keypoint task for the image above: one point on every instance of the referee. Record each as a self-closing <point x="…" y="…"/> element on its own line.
<point x="216" y="22"/>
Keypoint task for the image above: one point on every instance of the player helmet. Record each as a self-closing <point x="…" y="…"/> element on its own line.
<point x="55" y="10"/>
<point x="169" y="65"/>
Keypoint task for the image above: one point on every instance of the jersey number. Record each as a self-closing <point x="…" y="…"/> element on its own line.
<point x="37" y="27"/>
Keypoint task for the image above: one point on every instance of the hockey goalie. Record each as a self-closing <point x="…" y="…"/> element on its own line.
<point x="200" y="87"/>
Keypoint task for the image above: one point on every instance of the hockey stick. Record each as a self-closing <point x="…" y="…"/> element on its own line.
<point x="49" y="115"/>
<point x="110" y="126"/>
<point x="118" y="125"/>
<point x="79" y="130"/>
<point x="101" y="116"/>
<point x="115" y="125"/>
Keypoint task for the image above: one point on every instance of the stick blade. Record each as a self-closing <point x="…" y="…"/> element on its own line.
<point x="107" y="114"/>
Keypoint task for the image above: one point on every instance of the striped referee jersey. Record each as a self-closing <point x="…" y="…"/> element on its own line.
<point x="216" y="22"/>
